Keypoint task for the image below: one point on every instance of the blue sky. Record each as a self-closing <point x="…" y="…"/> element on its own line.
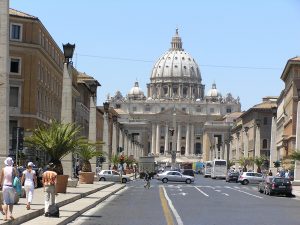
<point x="241" y="45"/>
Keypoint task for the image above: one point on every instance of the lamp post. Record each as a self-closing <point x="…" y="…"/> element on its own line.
<point x="67" y="100"/>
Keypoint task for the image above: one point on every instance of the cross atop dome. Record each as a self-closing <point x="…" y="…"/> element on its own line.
<point x="176" y="43"/>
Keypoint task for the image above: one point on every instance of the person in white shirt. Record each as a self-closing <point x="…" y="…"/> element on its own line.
<point x="30" y="181"/>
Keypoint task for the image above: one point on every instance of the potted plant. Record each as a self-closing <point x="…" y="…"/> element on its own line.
<point x="86" y="152"/>
<point x="57" y="140"/>
<point x="259" y="161"/>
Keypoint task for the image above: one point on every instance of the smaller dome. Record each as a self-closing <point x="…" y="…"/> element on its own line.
<point x="136" y="92"/>
<point x="213" y="92"/>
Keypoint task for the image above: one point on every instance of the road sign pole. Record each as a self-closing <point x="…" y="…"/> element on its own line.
<point x="17" y="145"/>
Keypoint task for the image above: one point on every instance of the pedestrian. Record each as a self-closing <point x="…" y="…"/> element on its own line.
<point x="7" y="176"/>
<point x="287" y="174"/>
<point x="270" y="173"/>
<point x="147" y="179"/>
<point x="49" y="183"/>
<point x="30" y="182"/>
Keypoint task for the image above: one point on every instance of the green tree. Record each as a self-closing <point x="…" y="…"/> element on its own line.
<point x="115" y="159"/>
<point x="259" y="161"/>
<point x="295" y="156"/>
<point x="86" y="151"/>
<point x="244" y="162"/>
<point x="230" y="163"/>
<point x="57" y="140"/>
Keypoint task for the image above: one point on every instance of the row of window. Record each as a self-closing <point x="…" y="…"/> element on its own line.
<point x="198" y="109"/>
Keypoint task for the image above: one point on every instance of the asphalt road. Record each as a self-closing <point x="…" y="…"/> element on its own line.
<point x="206" y="202"/>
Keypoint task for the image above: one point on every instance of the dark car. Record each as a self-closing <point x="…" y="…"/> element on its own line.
<point x="232" y="176"/>
<point x="188" y="172"/>
<point x="275" y="185"/>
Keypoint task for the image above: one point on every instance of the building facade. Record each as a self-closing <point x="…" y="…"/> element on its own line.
<point x="173" y="114"/>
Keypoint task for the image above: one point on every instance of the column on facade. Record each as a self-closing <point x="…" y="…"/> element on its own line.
<point x="153" y="137"/>
<point x="257" y="144"/>
<point x="187" y="140"/>
<point x="192" y="143"/>
<point x="166" y="139"/>
<point x="237" y="153"/>
<point x="297" y="163"/>
<point x="105" y="147"/>
<point x="273" y="148"/>
<point x="125" y="144"/>
<point x="93" y="128"/>
<point x="121" y="139"/>
<point x="216" y="148"/>
<point x="157" y="139"/>
<point x="179" y="138"/>
<point x="225" y="150"/>
<point x="114" y="138"/>
<point x="222" y="148"/>
<point x="246" y="143"/>
<point x="230" y="155"/>
<point x="4" y="79"/>
<point x="211" y="153"/>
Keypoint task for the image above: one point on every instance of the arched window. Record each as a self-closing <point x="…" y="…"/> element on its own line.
<point x="162" y="150"/>
<point x="265" y="143"/>
<point x="182" y="150"/>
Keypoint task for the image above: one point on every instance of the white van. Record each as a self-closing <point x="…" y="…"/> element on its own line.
<point x="207" y="168"/>
<point x="219" y="169"/>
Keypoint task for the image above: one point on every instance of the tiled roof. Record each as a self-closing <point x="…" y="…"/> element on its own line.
<point x="14" y="12"/>
<point x="297" y="58"/>
<point x="265" y="105"/>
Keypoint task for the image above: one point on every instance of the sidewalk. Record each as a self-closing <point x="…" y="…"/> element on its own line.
<point x="296" y="191"/>
<point x="72" y="204"/>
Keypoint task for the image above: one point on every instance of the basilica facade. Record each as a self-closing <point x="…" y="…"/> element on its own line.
<point x="176" y="114"/>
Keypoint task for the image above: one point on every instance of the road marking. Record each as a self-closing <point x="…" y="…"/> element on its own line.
<point x="202" y="192"/>
<point x="256" y="196"/>
<point x="175" y="213"/>
<point x="218" y="190"/>
<point x="207" y="187"/>
<point x="166" y="210"/>
<point x="225" y="194"/>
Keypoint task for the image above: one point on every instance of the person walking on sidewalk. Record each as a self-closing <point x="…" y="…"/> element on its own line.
<point x="49" y="183"/>
<point x="147" y="179"/>
<point x="30" y="181"/>
<point x="7" y="176"/>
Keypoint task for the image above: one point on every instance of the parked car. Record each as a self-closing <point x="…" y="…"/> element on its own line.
<point x="174" y="176"/>
<point x="250" y="177"/>
<point x="112" y="175"/>
<point x="232" y="176"/>
<point x="188" y="172"/>
<point x="275" y="185"/>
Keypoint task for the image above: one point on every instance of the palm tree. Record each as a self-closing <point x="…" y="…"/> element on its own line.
<point x="230" y="163"/>
<point x="115" y="160"/>
<point x="259" y="161"/>
<point x="57" y="140"/>
<point x="295" y="156"/>
<point x="244" y="162"/>
<point x="87" y="151"/>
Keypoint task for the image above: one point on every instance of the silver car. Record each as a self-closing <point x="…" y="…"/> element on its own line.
<point x="174" y="176"/>
<point x="112" y="175"/>
<point x="250" y="177"/>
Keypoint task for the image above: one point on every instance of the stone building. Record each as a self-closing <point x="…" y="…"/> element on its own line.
<point x="173" y="114"/>
<point x="35" y="78"/>
<point x="251" y="132"/>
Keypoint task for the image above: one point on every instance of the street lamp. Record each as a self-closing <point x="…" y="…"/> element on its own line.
<point x="68" y="52"/>
<point x="93" y="88"/>
<point x="115" y="118"/>
<point x="274" y="111"/>
<point x="257" y="122"/>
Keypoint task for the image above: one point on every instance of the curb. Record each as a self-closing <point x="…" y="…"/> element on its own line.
<point x="40" y="212"/>
<point x="77" y="214"/>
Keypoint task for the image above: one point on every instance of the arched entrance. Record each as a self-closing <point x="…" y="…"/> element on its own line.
<point x="182" y="150"/>
<point x="198" y="148"/>
<point x="162" y="150"/>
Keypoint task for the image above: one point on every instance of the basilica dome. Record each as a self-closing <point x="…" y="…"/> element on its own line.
<point x="213" y="92"/>
<point x="176" y="63"/>
<point x="136" y="92"/>
<point x="175" y="75"/>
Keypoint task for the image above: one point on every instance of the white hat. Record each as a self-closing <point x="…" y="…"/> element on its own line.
<point x="30" y="164"/>
<point x="8" y="161"/>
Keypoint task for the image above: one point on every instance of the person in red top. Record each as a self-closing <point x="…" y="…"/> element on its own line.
<point x="49" y="183"/>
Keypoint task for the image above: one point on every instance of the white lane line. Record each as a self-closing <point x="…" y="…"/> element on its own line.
<point x="225" y="194"/>
<point x="206" y="187"/>
<point x="218" y="190"/>
<point x="202" y="192"/>
<point x="175" y="213"/>
<point x="256" y="196"/>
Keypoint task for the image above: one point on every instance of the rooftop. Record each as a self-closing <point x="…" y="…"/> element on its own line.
<point x="15" y="12"/>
